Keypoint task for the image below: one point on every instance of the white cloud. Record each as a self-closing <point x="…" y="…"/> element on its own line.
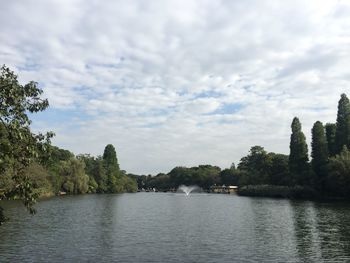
<point x="146" y="75"/>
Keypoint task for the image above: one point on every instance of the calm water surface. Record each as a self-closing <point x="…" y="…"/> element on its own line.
<point x="167" y="227"/>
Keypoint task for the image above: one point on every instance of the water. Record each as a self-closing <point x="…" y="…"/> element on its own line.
<point x="170" y="227"/>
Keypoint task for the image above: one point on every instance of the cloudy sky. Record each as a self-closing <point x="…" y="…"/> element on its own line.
<point x="179" y="82"/>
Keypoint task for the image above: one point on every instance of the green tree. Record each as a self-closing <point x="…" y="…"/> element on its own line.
<point x="112" y="168"/>
<point x="330" y="135"/>
<point x="53" y="160"/>
<point x="229" y="177"/>
<point x="338" y="181"/>
<point x="96" y="170"/>
<point x="180" y="175"/>
<point x="298" y="157"/>
<point x="100" y="176"/>
<point x="127" y="184"/>
<point x="342" y="135"/>
<point x="75" y="181"/>
<point x="39" y="177"/>
<point x="319" y="152"/>
<point x="22" y="146"/>
<point x="279" y="170"/>
<point x="255" y="167"/>
<point x="93" y="186"/>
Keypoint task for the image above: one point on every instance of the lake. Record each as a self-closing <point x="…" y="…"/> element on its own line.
<point x="172" y="227"/>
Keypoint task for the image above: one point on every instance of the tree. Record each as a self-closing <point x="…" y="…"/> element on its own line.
<point x="255" y="160"/>
<point x="181" y="175"/>
<point x="21" y="146"/>
<point x="330" y="135"/>
<point x="75" y="180"/>
<point x="319" y="151"/>
<point x="342" y="135"/>
<point x="298" y="157"/>
<point x="229" y="177"/>
<point x="112" y="167"/>
<point x="255" y="166"/>
<point x="100" y="175"/>
<point x="279" y="170"/>
<point x="39" y="177"/>
<point x="338" y="181"/>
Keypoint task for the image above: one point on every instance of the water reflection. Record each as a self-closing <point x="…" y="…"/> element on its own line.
<point x="305" y="232"/>
<point x="273" y="230"/>
<point x="322" y="231"/>
<point x="103" y="226"/>
<point x="333" y="224"/>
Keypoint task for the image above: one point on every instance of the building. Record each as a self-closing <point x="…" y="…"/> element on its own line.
<point x="223" y="189"/>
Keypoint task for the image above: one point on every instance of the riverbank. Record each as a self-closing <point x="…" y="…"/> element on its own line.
<point x="279" y="191"/>
<point x="289" y="192"/>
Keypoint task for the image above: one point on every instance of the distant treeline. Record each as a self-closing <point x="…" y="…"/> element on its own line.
<point x="61" y="172"/>
<point x="326" y="175"/>
<point x="204" y="176"/>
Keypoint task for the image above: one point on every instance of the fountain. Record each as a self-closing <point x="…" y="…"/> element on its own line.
<point x="187" y="189"/>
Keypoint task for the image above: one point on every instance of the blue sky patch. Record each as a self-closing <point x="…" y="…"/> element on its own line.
<point x="208" y="94"/>
<point x="229" y="108"/>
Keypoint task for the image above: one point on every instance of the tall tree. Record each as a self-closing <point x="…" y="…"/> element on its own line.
<point x="342" y="135"/>
<point x="22" y="147"/>
<point x="112" y="167"/>
<point x="319" y="150"/>
<point x="298" y="157"/>
<point x="330" y="135"/>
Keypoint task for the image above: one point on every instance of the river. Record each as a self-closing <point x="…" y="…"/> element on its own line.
<point x="172" y="227"/>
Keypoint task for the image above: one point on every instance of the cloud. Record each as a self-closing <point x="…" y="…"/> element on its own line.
<point x="179" y="82"/>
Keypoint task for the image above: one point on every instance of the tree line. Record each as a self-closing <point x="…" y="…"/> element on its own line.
<point x="274" y="174"/>
<point x="328" y="172"/>
<point x="203" y="176"/>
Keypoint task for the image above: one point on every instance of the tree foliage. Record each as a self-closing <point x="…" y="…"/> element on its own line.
<point x="75" y="181"/>
<point x="20" y="147"/>
<point x="298" y="157"/>
<point x="342" y="135"/>
<point x="202" y="175"/>
<point x="330" y="135"/>
<point x="105" y="175"/>
<point x="112" y="167"/>
<point x="319" y="150"/>
<point x="338" y="181"/>
<point x="261" y="167"/>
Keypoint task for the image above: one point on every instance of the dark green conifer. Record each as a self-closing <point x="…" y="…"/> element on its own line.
<point x="112" y="167"/>
<point x="298" y="158"/>
<point x="319" y="150"/>
<point x="342" y="135"/>
<point x="330" y="135"/>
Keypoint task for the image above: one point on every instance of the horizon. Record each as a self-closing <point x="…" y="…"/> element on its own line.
<point x="179" y="83"/>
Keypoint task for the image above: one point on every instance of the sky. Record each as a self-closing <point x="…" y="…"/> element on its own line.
<point x="179" y="82"/>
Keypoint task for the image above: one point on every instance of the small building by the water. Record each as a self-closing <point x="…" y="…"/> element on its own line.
<point x="223" y="189"/>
